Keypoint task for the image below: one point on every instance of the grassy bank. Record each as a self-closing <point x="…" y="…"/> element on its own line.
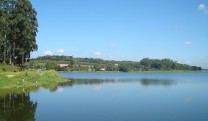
<point x="29" y="78"/>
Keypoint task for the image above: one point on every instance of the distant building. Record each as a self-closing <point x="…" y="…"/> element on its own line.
<point x="63" y="65"/>
<point x="102" y="69"/>
<point x="116" y="65"/>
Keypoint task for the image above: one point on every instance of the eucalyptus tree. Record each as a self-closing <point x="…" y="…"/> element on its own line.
<point x="5" y="9"/>
<point x="20" y="26"/>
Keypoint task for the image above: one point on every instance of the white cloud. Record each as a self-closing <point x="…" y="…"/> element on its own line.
<point x="202" y="7"/>
<point x="60" y="89"/>
<point x="98" y="53"/>
<point x="103" y="55"/>
<point x="110" y="56"/>
<point x="48" y="53"/>
<point x="60" y="50"/>
<point x="123" y="56"/>
<point x="188" y="43"/>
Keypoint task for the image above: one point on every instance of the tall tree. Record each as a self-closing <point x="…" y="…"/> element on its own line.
<point x="21" y="27"/>
<point x="5" y="9"/>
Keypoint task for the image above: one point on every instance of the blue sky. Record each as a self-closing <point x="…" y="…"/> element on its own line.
<point x="124" y="29"/>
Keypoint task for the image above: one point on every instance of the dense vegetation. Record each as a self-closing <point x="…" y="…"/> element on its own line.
<point x="91" y="64"/>
<point x="18" y="28"/>
<point x="29" y="78"/>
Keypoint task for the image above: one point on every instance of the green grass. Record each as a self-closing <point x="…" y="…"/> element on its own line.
<point x="29" y="78"/>
<point x="8" y="68"/>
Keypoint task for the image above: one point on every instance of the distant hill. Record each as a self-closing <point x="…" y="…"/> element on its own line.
<point x="96" y="64"/>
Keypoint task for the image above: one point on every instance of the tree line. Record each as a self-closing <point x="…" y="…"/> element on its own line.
<point x="94" y="64"/>
<point x="165" y="64"/>
<point x="18" y="29"/>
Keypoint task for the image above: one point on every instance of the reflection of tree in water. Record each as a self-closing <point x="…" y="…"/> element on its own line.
<point x="17" y="107"/>
<point x="152" y="82"/>
<point x="144" y="82"/>
<point x="73" y="82"/>
<point x="92" y="81"/>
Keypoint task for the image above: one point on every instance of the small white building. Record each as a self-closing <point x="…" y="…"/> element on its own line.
<point x="102" y="69"/>
<point x="63" y="65"/>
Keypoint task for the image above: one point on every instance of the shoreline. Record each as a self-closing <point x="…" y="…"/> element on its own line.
<point x="35" y="79"/>
<point x="179" y="71"/>
<point x="28" y="79"/>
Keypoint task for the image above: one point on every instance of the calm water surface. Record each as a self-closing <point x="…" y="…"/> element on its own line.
<point x="113" y="97"/>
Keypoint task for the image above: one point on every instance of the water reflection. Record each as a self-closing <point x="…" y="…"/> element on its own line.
<point x="17" y="107"/>
<point x="58" y="87"/>
<point x="156" y="82"/>
<point x="143" y="82"/>
<point x="4" y="91"/>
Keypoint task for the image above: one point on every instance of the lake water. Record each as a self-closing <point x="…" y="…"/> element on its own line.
<point x="113" y="97"/>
